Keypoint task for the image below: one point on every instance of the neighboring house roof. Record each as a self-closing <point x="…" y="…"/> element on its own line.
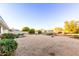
<point x="3" y="23"/>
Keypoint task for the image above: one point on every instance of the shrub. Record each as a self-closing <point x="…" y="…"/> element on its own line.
<point x="49" y="33"/>
<point x="9" y="36"/>
<point x="17" y="35"/>
<point x="26" y="29"/>
<point x="76" y="36"/>
<point x="7" y="46"/>
<point x="32" y="31"/>
<point x="39" y="32"/>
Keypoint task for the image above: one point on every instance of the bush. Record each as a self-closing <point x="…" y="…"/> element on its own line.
<point x="26" y="29"/>
<point x="32" y="31"/>
<point x="17" y="35"/>
<point x="39" y="32"/>
<point x="7" y="46"/>
<point x="49" y="33"/>
<point x="76" y="36"/>
<point x="9" y="36"/>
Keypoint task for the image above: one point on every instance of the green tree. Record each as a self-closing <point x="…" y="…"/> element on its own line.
<point x="25" y="29"/>
<point x="39" y="32"/>
<point x="32" y="31"/>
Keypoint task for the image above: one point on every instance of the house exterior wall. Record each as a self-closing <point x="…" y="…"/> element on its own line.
<point x="3" y="30"/>
<point x="3" y="26"/>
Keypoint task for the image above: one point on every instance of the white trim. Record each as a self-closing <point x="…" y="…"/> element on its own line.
<point x="3" y="23"/>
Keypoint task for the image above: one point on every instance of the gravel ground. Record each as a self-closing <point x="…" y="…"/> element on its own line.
<point x="42" y="45"/>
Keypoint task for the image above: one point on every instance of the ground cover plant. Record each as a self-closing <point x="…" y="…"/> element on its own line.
<point x="7" y="44"/>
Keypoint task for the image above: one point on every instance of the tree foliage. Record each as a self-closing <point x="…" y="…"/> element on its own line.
<point x="25" y="29"/>
<point x="71" y="27"/>
<point x="39" y="32"/>
<point x="32" y="31"/>
<point x="66" y="26"/>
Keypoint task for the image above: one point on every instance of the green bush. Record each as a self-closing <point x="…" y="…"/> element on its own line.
<point x="17" y="35"/>
<point x="25" y="29"/>
<point x="7" y="46"/>
<point x="49" y="33"/>
<point x="9" y="36"/>
<point x="32" y="31"/>
<point x="39" y="32"/>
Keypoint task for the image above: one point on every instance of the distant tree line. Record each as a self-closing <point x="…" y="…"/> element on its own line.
<point x="30" y="30"/>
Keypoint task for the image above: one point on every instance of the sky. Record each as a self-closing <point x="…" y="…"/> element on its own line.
<point x="38" y="15"/>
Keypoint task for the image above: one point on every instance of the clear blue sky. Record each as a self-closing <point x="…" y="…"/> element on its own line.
<point x="38" y="15"/>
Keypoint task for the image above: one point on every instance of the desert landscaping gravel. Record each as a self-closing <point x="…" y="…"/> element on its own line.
<point x="43" y="45"/>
